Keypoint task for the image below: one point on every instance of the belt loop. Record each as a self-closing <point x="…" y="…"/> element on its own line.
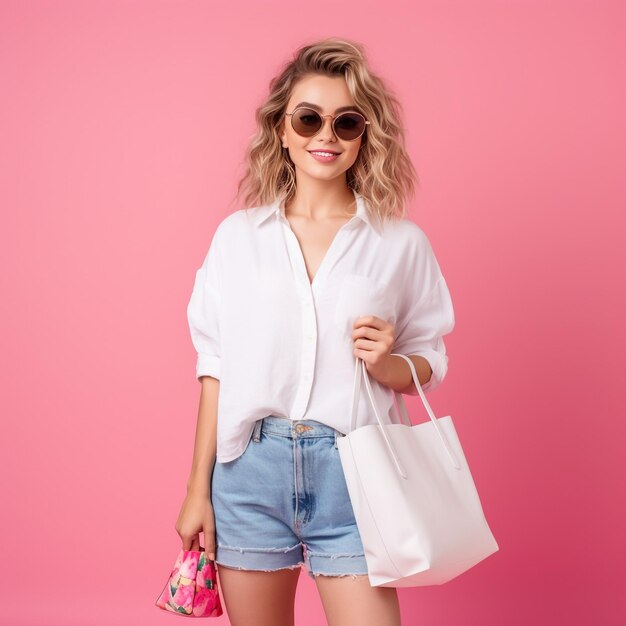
<point x="336" y="447"/>
<point x="256" y="433"/>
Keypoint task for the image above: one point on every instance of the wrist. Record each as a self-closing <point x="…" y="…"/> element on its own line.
<point x="199" y="485"/>
<point x="383" y="371"/>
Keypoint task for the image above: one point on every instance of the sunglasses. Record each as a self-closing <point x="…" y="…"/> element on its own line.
<point x="347" y="126"/>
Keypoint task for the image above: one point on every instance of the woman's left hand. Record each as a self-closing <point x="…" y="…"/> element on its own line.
<point x="373" y="340"/>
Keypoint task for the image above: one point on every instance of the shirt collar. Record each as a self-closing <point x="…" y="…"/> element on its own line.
<point x="276" y="208"/>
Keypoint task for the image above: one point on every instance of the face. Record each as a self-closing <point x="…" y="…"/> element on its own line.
<point x="329" y="94"/>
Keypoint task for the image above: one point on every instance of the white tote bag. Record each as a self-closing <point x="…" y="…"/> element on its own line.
<point x="415" y="502"/>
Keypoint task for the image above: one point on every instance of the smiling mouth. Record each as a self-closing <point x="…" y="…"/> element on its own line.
<point x="325" y="152"/>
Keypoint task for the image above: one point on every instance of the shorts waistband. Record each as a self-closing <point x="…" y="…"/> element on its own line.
<point x="286" y="427"/>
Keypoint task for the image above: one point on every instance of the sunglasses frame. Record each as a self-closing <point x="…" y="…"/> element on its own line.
<point x="333" y="118"/>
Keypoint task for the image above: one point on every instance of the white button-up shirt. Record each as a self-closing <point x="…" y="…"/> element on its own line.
<point x="281" y="345"/>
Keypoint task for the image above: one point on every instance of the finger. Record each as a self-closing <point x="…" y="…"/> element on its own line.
<point x="368" y="334"/>
<point x="209" y="543"/>
<point x="186" y="542"/>
<point x="195" y="543"/>
<point x="370" y="320"/>
<point x="361" y="332"/>
<point x="362" y="343"/>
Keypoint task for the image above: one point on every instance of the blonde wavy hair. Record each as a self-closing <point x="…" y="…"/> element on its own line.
<point x="383" y="172"/>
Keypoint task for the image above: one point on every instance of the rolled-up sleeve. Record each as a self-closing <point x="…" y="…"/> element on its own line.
<point x="203" y="314"/>
<point x="427" y="314"/>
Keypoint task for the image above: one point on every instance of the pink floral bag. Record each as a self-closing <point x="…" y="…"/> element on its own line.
<point x="191" y="590"/>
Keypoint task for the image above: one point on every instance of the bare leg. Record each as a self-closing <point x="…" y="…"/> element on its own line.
<point x="259" y="598"/>
<point x="350" y="600"/>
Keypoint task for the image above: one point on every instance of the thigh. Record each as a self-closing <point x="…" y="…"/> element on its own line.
<point x="349" y="600"/>
<point x="258" y="556"/>
<point x="254" y="598"/>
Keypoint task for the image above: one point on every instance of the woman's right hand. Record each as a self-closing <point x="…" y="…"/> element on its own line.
<point x="196" y="515"/>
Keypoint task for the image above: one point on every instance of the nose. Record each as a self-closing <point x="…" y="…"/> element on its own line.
<point x="327" y="131"/>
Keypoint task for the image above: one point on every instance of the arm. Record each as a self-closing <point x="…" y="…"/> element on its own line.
<point x="196" y="514"/>
<point x="204" y="325"/>
<point x="425" y="316"/>
<point x="205" y="446"/>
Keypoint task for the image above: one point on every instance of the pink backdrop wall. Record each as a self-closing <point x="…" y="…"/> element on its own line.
<point x="122" y="131"/>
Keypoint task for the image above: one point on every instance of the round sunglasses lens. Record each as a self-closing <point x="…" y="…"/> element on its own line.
<point x="349" y="126"/>
<point x="306" y="122"/>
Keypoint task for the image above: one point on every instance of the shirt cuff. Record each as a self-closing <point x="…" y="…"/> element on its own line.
<point x="208" y="365"/>
<point x="438" y="363"/>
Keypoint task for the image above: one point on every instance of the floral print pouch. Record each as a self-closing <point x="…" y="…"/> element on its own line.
<point x="191" y="590"/>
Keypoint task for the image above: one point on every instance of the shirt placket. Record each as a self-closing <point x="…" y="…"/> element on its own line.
<point x="309" y="321"/>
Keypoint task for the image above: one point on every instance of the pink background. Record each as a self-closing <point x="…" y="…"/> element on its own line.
<point x="122" y="131"/>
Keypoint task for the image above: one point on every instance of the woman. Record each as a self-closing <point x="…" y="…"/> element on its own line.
<point x="321" y="269"/>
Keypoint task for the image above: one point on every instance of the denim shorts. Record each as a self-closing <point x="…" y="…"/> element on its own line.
<point x="284" y="503"/>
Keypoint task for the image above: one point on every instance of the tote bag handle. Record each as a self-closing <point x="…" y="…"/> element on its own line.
<point x="361" y="371"/>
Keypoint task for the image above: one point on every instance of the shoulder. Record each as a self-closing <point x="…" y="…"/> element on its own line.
<point x="405" y="234"/>
<point x="228" y="224"/>
<point x="229" y="228"/>
<point x="233" y="223"/>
